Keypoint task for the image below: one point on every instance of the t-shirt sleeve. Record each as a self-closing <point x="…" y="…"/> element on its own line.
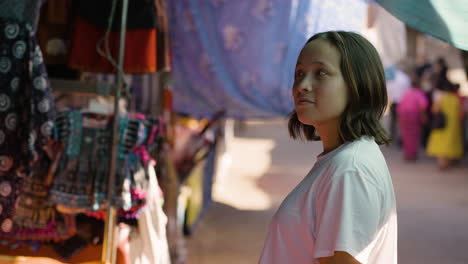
<point x="347" y="212"/>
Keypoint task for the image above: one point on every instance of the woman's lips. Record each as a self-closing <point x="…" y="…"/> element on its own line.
<point x="303" y="101"/>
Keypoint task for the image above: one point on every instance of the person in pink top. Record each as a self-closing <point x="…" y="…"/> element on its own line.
<point x="411" y="118"/>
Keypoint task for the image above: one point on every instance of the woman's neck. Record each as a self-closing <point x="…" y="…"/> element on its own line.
<point x="329" y="135"/>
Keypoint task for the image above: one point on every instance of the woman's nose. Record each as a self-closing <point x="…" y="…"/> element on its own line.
<point x="305" y="84"/>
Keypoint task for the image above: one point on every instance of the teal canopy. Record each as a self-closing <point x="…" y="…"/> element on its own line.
<point x="446" y="20"/>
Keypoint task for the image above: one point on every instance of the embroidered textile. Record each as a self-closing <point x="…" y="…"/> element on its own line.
<point x="81" y="180"/>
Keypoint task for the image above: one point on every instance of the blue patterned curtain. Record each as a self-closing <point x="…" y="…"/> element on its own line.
<point x="240" y="55"/>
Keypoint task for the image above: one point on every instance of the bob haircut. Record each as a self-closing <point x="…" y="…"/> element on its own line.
<point x="364" y="76"/>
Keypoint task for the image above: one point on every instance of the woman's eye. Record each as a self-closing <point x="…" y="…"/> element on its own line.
<point x="298" y="74"/>
<point x="321" y="73"/>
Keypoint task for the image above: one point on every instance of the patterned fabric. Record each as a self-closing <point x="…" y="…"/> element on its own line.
<point x="81" y="180"/>
<point x="122" y="193"/>
<point x="138" y="136"/>
<point x="62" y="228"/>
<point x="35" y="218"/>
<point x="240" y="55"/>
<point x="33" y="209"/>
<point x="54" y="231"/>
<point x="26" y="111"/>
<point x="86" y="149"/>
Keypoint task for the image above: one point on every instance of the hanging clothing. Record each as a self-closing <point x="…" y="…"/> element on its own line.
<point x="35" y="218"/>
<point x="26" y="106"/>
<point x="149" y="245"/>
<point x="33" y="209"/>
<point x="81" y="181"/>
<point x="90" y="29"/>
<point x="62" y="228"/>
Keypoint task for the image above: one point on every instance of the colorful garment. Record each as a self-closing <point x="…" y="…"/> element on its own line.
<point x="33" y="209"/>
<point x="122" y="194"/>
<point x="86" y="153"/>
<point x="447" y="142"/>
<point x="26" y="111"/>
<point x="412" y="105"/>
<point x="81" y="181"/>
<point x="61" y="229"/>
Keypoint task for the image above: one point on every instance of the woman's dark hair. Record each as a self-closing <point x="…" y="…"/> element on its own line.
<point x="364" y="76"/>
<point x="443" y="65"/>
<point x="416" y="77"/>
<point x="441" y="81"/>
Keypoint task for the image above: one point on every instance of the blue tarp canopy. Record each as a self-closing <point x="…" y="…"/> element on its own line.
<point x="240" y="55"/>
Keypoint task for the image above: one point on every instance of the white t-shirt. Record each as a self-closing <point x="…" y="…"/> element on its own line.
<point x="345" y="203"/>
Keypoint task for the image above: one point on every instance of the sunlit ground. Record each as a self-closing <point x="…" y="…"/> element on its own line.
<point x="237" y="188"/>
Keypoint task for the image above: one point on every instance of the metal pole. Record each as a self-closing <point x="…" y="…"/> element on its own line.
<point x="109" y="246"/>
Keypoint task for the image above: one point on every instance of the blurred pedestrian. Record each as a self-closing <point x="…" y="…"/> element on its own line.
<point x="411" y="118"/>
<point x="422" y="65"/>
<point x="439" y="74"/>
<point x="424" y="71"/>
<point x="396" y="87"/>
<point x="344" y="210"/>
<point x="446" y="140"/>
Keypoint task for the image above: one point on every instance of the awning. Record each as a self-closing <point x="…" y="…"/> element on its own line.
<point x="446" y="20"/>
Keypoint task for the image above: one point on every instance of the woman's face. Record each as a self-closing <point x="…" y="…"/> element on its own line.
<point x="320" y="93"/>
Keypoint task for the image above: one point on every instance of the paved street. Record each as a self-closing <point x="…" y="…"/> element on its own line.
<point x="264" y="165"/>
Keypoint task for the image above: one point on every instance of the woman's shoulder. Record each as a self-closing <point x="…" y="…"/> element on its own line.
<point x="358" y="153"/>
<point x="363" y="157"/>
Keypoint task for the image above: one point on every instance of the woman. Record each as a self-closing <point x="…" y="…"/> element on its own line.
<point x="344" y="210"/>
<point x="411" y="118"/>
<point x="446" y="143"/>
